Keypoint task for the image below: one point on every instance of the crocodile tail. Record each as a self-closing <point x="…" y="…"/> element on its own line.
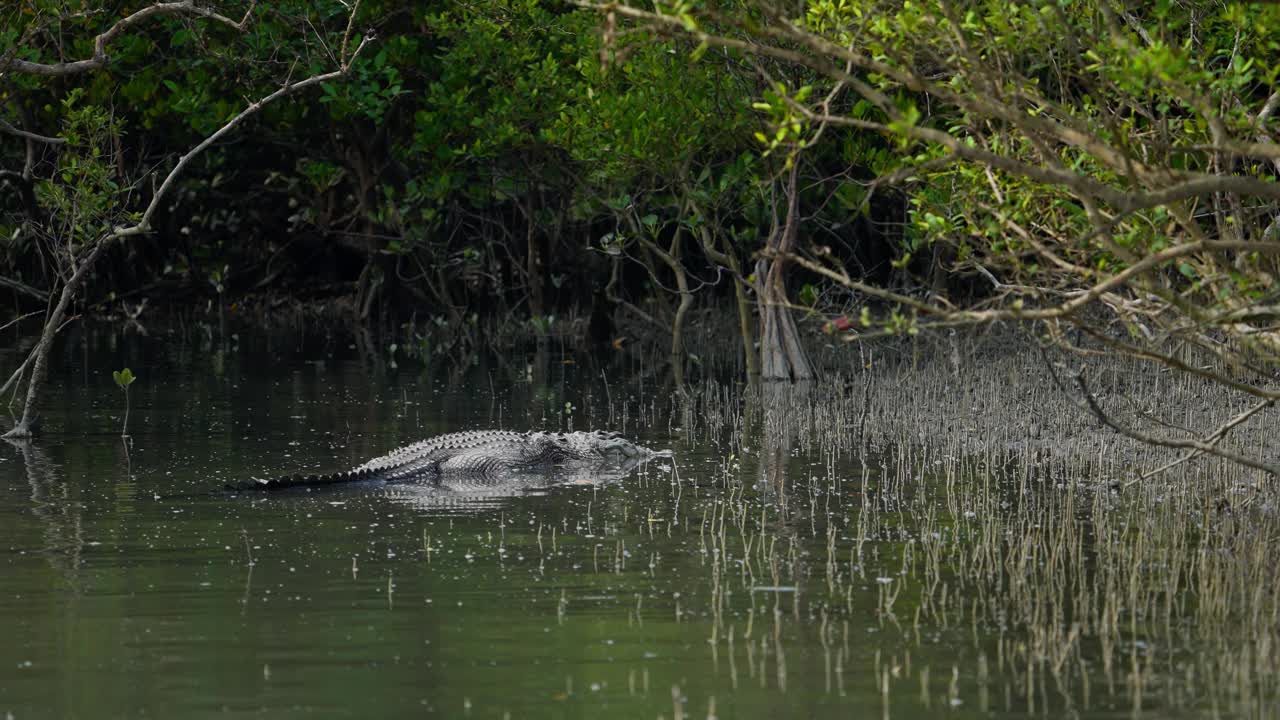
<point x="287" y="482"/>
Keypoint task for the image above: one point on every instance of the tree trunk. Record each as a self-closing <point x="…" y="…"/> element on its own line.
<point x="678" y="353"/>
<point x="938" y="268"/>
<point x="29" y="421"/>
<point x="726" y="259"/>
<point x="782" y="357"/>
<point x="671" y="258"/>
<point x="745" y="331"/>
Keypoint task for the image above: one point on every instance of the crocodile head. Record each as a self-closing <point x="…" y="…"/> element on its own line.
<point x="605" y="449"/>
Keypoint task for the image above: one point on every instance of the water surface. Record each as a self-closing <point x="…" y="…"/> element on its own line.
<point x="760" y="574"/>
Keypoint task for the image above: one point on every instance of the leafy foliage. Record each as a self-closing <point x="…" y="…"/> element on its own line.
<point x="1033" y="149"/>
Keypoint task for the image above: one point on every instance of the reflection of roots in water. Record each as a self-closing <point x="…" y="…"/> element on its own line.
<point x="1065" y="594"/>
<point x="59" y="509"/>
<point x="995" y="514"/>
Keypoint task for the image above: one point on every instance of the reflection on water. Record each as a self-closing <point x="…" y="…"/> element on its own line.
<point x="769" y="570"/>
<point x="469" y="493"/>
<point x="52" y="501"/>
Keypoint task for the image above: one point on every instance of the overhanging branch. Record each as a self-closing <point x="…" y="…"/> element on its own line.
<point x="27" y="135"/>
<point x="1207" y="448"/>
<point x="287" y="89"/>
<point x="100" y="57"/>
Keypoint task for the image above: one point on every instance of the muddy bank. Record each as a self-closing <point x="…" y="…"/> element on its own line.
<point x="998" y="391"/>
<point x="994" y="394"/>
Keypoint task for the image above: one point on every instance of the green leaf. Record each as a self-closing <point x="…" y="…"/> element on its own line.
<point x="124" y="378"/>
<point x="809" y="295"/>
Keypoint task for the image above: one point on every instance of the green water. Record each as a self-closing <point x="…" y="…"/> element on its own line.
<point x="132" y="588"/>
<point x="128" y="589"/>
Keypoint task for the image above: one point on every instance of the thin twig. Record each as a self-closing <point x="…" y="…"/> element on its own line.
<point x="1203" y="447"/>
<point x="19" y="319"/>
<point x="346" y="36"/>
<point x="1213" y="439"/>
<point x="30" y="356"/>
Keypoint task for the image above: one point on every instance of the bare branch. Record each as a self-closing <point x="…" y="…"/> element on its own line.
<point x="1268" y="108"/>
<point x="23" y="288"/>
<point x="288" y="89"/>
<point x="1078" y="300"/>
<point x="1212" y="438"/>
<point x="346" y="35"/>
<point x="100" y="57"/>
<point x="1170" y="361"/>
<point x="1207" y="446"/>
<point x="17" y="320"/>
<point x="8" y="128"/>
<point x="17" y="373"/>
<point x="1197" y="445"/>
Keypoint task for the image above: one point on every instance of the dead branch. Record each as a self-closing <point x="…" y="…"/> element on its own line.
<point x="100" y="57"/>
<point x="8" y="128"/>
<point x="17" y="320"/>
<point x="1207" y="448"/>
<point x="1151" y="355"/>
<point x="1212" y="438"/>
<point x="17" y="373"/>
<point x="23" y="288"/>
<point x="1078" y="300"/>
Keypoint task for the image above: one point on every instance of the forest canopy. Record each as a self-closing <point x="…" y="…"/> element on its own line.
<point x="880" y="167"/>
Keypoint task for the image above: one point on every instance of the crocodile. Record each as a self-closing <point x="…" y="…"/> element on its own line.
<point x="489" y="455"/>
